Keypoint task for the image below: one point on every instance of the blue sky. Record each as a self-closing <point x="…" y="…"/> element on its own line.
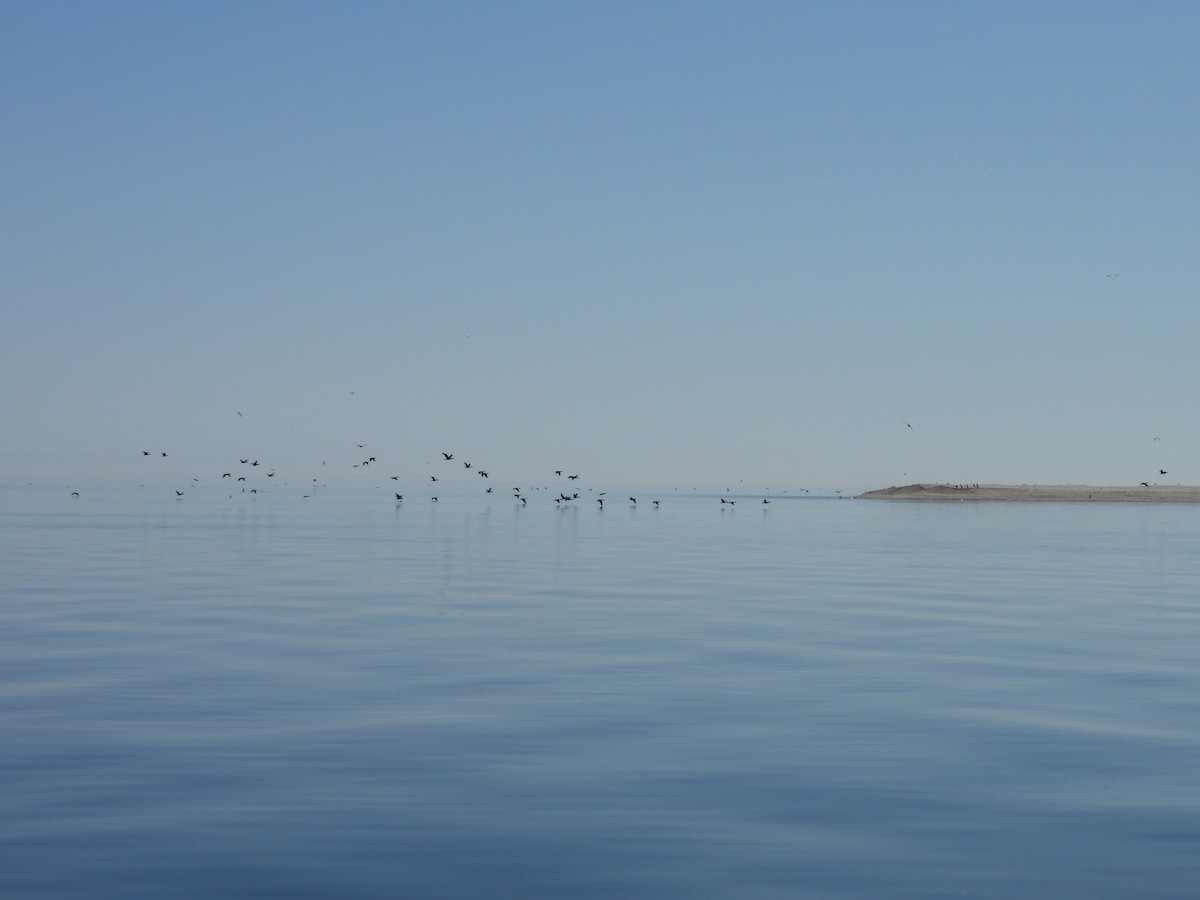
<point x="668" y="243"/>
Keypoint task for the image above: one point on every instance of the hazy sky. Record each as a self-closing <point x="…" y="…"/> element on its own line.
<point x="665" y="242"/>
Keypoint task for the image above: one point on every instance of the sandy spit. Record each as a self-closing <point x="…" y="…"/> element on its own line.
<point x="1081" y="493"/>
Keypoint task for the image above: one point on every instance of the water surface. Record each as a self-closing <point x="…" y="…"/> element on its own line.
<point x="342" y="696"/>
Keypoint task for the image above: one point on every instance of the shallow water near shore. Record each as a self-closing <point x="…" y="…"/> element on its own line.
<point x="342" y="696"/>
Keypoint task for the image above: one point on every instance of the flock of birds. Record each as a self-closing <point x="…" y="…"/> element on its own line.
<point x="448" y="468"/>
<point x="520" y="495"/>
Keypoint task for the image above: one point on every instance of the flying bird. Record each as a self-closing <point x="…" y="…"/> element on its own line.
<point x="447" y="455"/>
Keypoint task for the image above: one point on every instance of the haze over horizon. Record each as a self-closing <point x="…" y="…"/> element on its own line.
<point x="657" y="243"/>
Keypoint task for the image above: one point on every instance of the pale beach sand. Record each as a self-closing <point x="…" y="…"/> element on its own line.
<point x="1039" y="492"/>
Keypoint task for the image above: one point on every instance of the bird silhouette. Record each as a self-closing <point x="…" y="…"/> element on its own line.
<point x="147" y="452"/>
<point x="399" y="496"/>
<point x="1162" y="471"/>
<point x="447" y="455"/>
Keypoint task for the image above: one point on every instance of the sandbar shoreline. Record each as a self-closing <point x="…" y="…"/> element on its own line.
<point x="1025" y="493"/>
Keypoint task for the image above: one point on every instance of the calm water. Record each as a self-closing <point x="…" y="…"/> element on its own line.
<point x="340" y="697"/>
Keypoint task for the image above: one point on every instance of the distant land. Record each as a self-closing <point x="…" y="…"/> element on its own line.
<point x="1075" y="493"/>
